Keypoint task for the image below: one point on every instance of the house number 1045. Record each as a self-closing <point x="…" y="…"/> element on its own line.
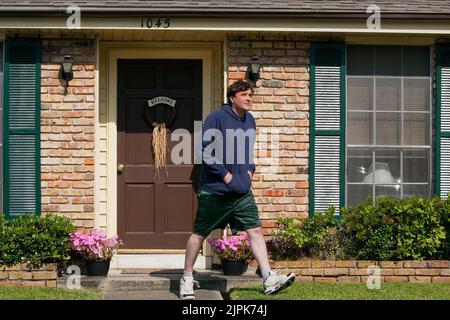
<point x="155" y="23"/>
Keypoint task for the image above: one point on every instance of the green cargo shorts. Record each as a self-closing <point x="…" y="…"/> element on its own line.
<point x="216" y="212"/>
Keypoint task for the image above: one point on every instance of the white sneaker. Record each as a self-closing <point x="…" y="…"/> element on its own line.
<point x="187" y="288"/>
<point x="276" y="282"/>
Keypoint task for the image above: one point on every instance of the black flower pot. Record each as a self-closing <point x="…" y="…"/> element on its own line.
<point x="234" y="267"/>
<point x="98" y="267"/>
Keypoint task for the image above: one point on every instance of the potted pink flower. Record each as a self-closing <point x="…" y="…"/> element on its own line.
<point x="234" y="253"/>
<point x="96" y="249"/>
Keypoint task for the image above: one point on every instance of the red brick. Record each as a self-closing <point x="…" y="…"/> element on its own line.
<point x="10" y="283"/>
<point x="349" y="279"/>
<point x="299" y="264"/>
<point x="357" y="272"/>
<point x="322" y="264"/>
<point x="391" y="264"/>
<point x="445" y="272"/>
<point x="419" y="279"/>
<point x="439" y="264"/>
<point x="335" y="271"/>
<point x="396" y="279"/>
<point x="311" y="272"/>
<point x="415" y="264"/>
<point x="280" y="264"/>
<point x="404" y="272"/>
<point x="366" y="263"/>
<point x="325" y="279"/>
<point x="304" y="279"/>
<point x="345" y="263"/>
<point x="427" y="272"/>
<point x="441" y="279"/>
<point x="33" y="283"/>
<point x="47" y="275"/>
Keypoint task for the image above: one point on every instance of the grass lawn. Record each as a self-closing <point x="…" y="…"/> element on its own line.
<point x="29" y="293"/>
<point x="349" y="291"/>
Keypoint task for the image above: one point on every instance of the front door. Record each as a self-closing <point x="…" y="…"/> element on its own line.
<point x="156" y="210"/>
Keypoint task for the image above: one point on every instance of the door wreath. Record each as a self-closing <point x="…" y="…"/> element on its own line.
<point x="160" y="130"/>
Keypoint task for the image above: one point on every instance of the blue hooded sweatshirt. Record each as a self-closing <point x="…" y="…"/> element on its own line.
<point x="228" y="128"/>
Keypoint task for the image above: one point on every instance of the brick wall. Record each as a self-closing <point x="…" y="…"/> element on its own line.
<point x="67" y="131"/>
<point x="357" y="271"/>
<point x="25" y="275"/>
<point x="281" y="101"/>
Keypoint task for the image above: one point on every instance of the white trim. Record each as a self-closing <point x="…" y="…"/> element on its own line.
<point x="152" y="50"/>
<point x="96" y="133"/>
<point x="333" y="26"/>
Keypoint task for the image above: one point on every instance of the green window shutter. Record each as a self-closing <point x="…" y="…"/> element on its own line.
<point x="327" y="127"/>
<point x="22" y="127"/>
<point x="443" y="120"/>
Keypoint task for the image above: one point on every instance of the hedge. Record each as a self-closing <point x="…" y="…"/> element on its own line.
<point x="35" y="239"/>
<point x="391" y="229"/>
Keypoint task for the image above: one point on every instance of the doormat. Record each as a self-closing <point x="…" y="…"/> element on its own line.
<point x="151" y="271"/>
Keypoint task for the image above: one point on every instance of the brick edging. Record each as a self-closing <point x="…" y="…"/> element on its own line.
<point x="358" y="270"/>
<point x="23" y="274"/>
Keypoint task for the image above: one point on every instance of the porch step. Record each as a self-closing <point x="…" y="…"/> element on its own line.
<point x="137" y="281"/>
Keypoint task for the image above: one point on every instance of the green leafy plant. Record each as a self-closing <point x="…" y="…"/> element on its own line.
<point x="390" y="229"/>
<point x="418" y="229"/>
<point x="35" y="239"/>
<point x="370" y="230"/>
<point x="302" y="237"/>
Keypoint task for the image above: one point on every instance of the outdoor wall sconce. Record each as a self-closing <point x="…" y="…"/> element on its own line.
<point x="254" y="69"/>
<point x="66" y="73"/>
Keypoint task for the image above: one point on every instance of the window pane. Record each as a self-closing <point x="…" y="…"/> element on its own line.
<point x="388" y="94"/>
<point x="413" y="190"/>
<point x="388" y="60"/>
<point x="360" y="126"/>
<point x="392" y="191"/>
<point x="360" y="60"/>
<point x="358" y="164"/>
<point x="415" y="165"/>
<point x="357" y="194"/>
<point x="359" y="93"/>
<point x="416" y="94"/>
<point x="388" y="70"/>
<point x="388" y="128"/>
<point x="416" y="129"/>
<point x="416" y="61"/>
<point x="387" y="169"/>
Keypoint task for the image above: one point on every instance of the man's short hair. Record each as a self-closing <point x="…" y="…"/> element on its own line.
<point x="236" y="87"/>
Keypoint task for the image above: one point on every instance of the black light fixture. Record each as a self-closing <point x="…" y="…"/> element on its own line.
<point x="66" y="70"/>
<point x="254" y="69"/>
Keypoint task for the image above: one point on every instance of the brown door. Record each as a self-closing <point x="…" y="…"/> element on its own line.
<point x="155" y="211"/>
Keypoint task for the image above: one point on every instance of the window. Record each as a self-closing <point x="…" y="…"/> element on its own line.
<point x="388" y="137"/>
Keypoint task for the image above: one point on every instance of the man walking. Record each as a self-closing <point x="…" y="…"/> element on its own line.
<point x="225" y="195"/>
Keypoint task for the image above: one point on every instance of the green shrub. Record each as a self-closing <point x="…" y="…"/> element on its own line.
<point x="418" y="229"/>
<point x="370" y="230"/>
<point x="391" y="229"/>
<point x="8" y="248"/>
<point x="35" y="239"/>
<point x="444" y="250"/>
<point x="303" y="237"/>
